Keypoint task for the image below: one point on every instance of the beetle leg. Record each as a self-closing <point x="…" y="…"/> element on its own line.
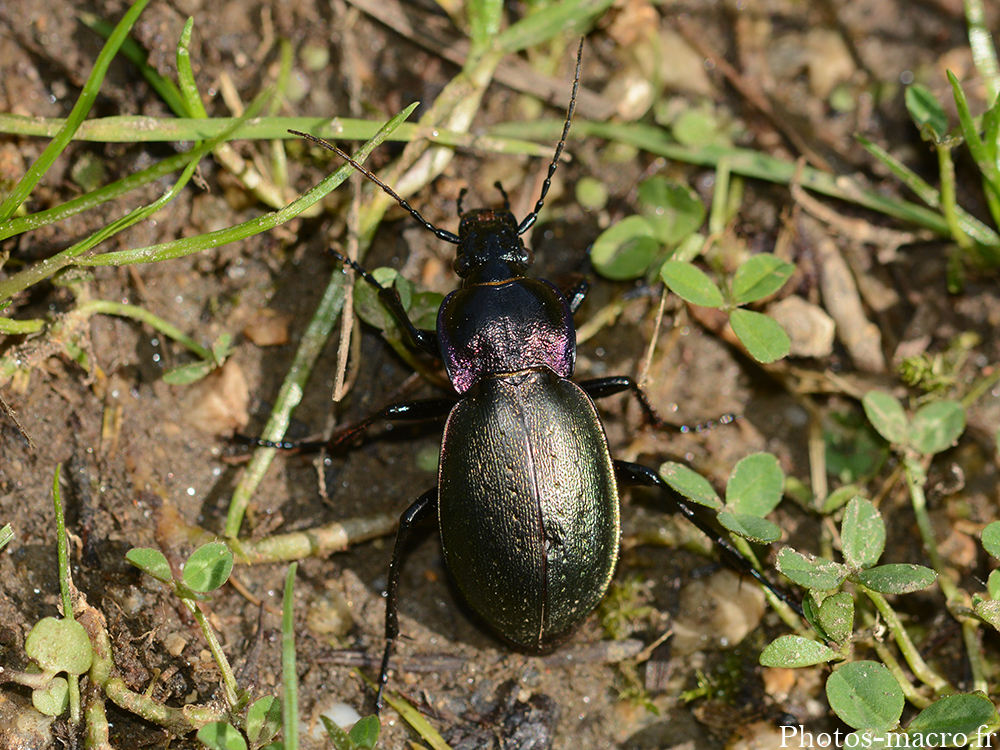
<point x="422" y="339"/>
<point x="637" y="475"/>
<point x="576" y="293"/>
<point x="603" y="387"/>
<point x="422" y="506"/>
<point x="402" y="411"/>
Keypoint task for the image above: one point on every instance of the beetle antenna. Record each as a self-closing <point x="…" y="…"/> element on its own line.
<point x="441" y="234"/>
<point x="530" y="219"/>
<point x="506" y="200"/>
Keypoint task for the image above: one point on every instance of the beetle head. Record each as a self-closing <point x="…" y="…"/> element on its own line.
<point x="490" y="248"/>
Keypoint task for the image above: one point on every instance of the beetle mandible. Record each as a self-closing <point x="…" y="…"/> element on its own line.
<point x="527" y="493"/>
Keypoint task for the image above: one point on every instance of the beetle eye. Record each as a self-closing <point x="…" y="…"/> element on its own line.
<point x="460" y="266"/>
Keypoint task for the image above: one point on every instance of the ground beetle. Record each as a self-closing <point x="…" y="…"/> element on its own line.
<point x="527" y="495"/>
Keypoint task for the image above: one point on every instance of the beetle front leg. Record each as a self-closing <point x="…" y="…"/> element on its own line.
<point x="422" y="339"/>
<point x="637" y="475"/>
<point x="422" y="506"/>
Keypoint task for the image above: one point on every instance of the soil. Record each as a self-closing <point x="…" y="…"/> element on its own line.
<point x="128" y="449"/>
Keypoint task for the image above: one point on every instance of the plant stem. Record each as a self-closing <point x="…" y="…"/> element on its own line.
<point x="125" y="310"/>
<point x="95" y="714"/>
<point x="228" y="678"/>
<point x="974" y="650"/>
<point x="10" y="327"/>
<point x="289" y="677"/>
<point x="916" y="663"/>
<point x="910" y="691"/>
<point x="946" y="169"/>
<point x="178" y="720"/>
<point x="915" y="478"/>
<point x="65" y="589"/>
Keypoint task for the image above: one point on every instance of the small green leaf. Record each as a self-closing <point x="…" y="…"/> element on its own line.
<point x="811" y="603"/>
<point x="991" y="539"/>
<point x="953" y="715"/>
<point x="794" y="651"/>
<point x="756" y="529"/>
<point x="691" y="484"/>
<point x="927" y="113"/>
<point x="763" y="337"/>
<point x="369" y="305"/>
<point x="993" y="584"/>
<point x="897" y="578"/>
<point x="987" y="609"/>
<point x="673" y="209"/>
<point x="339" y="738"/>
<point x="699" y="127"/>
<point x="854" y="449"/>
<point x="59" y="646"/>
<point x="222" y="348"/>
<point x="761" y="276"/>
<point x="364" y="734"/>
<point x="839" y="498"/>
<point x="150" y="561"/>
<point x="263" y="720"/>
<point x="209" y="567"/>
<point x="862" y="534"/>
<point x="625" y="250"/>
<point x="423" y="309"/>
<point x="886" y="415"/>
<point x="755" y="485"/>
<point x="590" y="194"/>
<point x="836" y="616"/>
<point x="865" y="695"/>
<point x="809" y="571"/>
<point x="219" y="735"/>
<point x="691" y="284"/>
<point x="53" y="699"/>
<point x="937" y="426"/>
<point x="189" y="373"/>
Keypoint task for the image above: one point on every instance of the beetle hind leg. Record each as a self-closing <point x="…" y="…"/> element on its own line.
<point x="637" y="475"/>
<point x="421" y="507"/>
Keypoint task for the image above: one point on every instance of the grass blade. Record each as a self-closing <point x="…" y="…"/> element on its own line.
<point x="983" y="52"/>
<point x="135" y="54"/>
<point x="47" y="267"/>
<point x="988" y="166"/>
<point x="82" y="107"/>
